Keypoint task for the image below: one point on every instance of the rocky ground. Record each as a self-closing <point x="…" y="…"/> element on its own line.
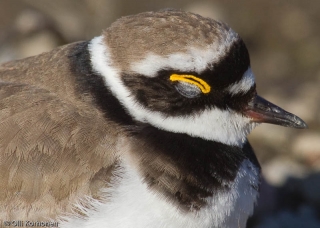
<point x="283" y="38"/>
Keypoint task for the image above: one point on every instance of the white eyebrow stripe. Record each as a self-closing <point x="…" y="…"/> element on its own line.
<point x="244" y="85"/>
<point x="192" y="59"/>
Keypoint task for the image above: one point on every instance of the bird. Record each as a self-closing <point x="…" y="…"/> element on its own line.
<point x="143" y="126"/>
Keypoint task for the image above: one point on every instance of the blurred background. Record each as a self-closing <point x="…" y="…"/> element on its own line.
<point x="283" y="38"/>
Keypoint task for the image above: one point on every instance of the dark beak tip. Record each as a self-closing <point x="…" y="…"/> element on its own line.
<point x="302" y="125"/>
<point x="296" y="122"/>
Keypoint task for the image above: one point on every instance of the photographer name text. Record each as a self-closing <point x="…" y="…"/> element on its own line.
<point x="20" y="223"/>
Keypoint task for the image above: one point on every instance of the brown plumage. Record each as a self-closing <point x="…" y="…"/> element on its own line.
<point x="55" y="146"/>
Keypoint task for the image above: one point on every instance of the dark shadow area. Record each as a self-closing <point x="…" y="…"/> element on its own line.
<point x="295" y="204"/>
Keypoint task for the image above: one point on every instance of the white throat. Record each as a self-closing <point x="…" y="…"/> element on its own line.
<point x="227" y="126"/>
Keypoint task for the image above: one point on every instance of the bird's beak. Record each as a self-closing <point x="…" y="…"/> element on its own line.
<point x="262" y="111"/>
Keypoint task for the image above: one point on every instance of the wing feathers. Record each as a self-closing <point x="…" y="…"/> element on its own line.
<point x="51" y="152"/>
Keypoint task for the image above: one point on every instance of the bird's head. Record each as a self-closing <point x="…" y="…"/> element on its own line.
<point x="184" y="73"/>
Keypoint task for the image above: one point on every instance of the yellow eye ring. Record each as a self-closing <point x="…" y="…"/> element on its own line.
<point x="203" y="86"/>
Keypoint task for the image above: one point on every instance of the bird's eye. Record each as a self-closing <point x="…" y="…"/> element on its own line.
<point x="189" y="86"/>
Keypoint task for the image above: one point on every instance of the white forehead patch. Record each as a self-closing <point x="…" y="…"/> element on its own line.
<point x="244" y="85"/>
<point x="194" y="59"/>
